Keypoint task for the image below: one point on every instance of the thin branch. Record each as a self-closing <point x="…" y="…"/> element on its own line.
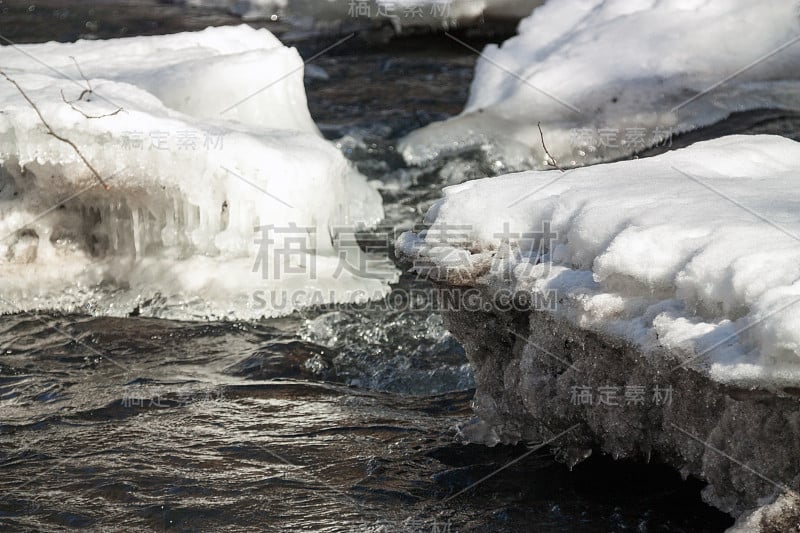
<point x="80" y="71"/>
<point x="85" y="93"/>
<point x="54" y="134"/>
<point x="71" y="103"/>
<point x="552" y="162"/>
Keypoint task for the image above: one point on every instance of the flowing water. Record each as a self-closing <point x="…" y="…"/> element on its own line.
<point x="341" y="418"/>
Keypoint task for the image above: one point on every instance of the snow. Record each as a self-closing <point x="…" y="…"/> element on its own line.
<point x="696" y="251"/>
<point x="608" y="78"/>
<point x="189" y="72"/>
<point x="191" y="175"/>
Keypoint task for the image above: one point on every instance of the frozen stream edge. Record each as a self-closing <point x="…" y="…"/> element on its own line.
<point x="744" y="443"/>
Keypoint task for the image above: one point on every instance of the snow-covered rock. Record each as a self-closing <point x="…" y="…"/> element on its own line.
<point x="609" y="78"/>
<point x="201" y="138"/>
<point x="649" y="307"/>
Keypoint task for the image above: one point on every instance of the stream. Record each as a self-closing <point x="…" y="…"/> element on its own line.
<point x="340" y="418"/>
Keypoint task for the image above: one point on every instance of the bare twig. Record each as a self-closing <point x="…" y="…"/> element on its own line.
<point x="54" y="134"/>
<point x="552" y="162"/>
<point x="85" y="93"/>
<point x="71" y="103"/>
<point x="80" y="71"/>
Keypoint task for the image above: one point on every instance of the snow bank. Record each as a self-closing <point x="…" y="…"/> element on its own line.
<point x="191" y="175"/>
<point x="609" y="78"/>
<point x="696" y="251"/>
<point x="647" y="309"/>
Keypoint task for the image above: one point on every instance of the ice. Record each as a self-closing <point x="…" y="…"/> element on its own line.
<point x="675" y="277"/>
<point x="608" y="78"/>
<point x="191" y="176"/>
<point x="679" y="251"/>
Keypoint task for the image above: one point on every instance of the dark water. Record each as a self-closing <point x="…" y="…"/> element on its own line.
<point x="203" y="427"/>
<point x="334" y="419"/>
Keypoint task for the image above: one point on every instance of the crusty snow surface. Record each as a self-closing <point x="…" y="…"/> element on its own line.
<point x="696" y="251"/>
